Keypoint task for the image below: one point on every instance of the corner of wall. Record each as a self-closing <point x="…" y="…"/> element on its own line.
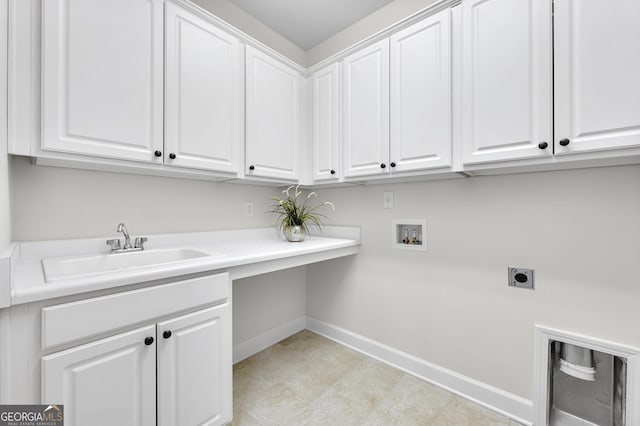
<point x="240" y="19"/>
<point x="382" y="18"/>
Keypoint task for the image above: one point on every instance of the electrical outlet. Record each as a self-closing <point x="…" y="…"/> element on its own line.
<point x="521" y="278"/>
<point x="387" y="200"/>
<point x="248" y="209"/>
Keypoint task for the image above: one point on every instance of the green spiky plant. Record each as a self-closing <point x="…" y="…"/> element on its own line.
<point x="293" y="210"/>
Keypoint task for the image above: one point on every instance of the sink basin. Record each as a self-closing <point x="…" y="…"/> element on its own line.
<point x="61" y="268"/>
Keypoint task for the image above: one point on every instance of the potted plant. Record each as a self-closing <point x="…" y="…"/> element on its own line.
<point x="295" y="213"/>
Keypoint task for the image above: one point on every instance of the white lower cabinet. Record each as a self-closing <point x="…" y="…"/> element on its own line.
<point x="113" y="381"/>
<point x="108" y="382"/>
<point x="194" y="368"/>
<point x="173" y="371"/>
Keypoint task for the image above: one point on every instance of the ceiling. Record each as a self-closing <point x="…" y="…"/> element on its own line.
<point x="307" y="23"/>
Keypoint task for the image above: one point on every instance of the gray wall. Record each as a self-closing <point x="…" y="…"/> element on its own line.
<point x="265" y="302"/>
<point x="451" y="306"/>
<point x="58" y="203"/>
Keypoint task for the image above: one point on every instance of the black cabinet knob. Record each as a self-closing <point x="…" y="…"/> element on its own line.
<point x="252" y="167"/>
<point x="333" y="172"/>
<point x="382" y="166"/>
<point x="392" y="164"/>
<point x="172" y="156"/>
<point x="166" y="334"/>
<point x="148" y="341"/>
<point x="158" y="153"/>
<point x="564" y="142"/>
<point x="543" y="145"/>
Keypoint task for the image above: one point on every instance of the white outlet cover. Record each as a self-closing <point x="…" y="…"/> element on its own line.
<point x="387" y="200"/>
<point x="248" y="209"/>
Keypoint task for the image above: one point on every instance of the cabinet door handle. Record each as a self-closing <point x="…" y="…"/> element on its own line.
<point x="543" y="145"/>
<point x="564" y="142"/>
<point x="393" y="164"/>
<point x="148" y="341"/>
<point x="252" y="167"/>
<point x="172" y="156"/>
<point x="158" y="153"/>
<point x="166" y="334"/>
<point x="333" y="172"/>
<point x="382" y="165"/>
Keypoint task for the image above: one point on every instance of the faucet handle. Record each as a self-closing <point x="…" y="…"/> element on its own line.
<point x="114" y="244"/>
<point x="139" y="243"/>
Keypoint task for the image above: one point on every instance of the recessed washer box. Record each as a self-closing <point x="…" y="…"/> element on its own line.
<point x="409" y="234"/>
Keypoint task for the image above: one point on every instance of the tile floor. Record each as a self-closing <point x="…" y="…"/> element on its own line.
<point x="310" y="380"/>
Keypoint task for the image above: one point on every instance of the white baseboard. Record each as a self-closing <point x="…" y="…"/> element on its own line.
<point x="508" y="404"/>
<point x="262" y="341"/>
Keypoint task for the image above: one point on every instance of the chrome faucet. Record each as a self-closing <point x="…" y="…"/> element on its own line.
<point x="127" y="240"/>
<point x="116" y="247"/>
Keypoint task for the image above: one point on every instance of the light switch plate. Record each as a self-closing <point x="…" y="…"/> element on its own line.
<point x="387" y="200"/>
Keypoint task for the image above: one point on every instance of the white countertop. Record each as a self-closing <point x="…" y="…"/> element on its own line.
<point x="242" y="253"/>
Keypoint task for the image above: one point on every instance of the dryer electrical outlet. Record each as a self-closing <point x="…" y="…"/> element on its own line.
<point x="521" y="278"/>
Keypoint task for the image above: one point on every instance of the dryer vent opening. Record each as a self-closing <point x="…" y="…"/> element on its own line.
<point x="586" y="387"/>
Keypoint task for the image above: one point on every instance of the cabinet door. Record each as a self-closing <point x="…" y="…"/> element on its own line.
<point x="597" y="75"/>
<point x="102" y="76"/>
<point x="195" y="368"/>
<point x="325" y="123"/>
<point x="506" y="80"/>
<point x="204" y="102"/>
<point x="272" y="117"/>
<point x="421" y="95"/>
<point x="366" y="111"/>
<point x="108" y="382"/>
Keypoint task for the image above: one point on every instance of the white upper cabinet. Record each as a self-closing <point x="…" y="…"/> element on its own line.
<point x="326" y="116"/>
<point x="102" y="77"/>
<point x="195" y="368"/>
<point x="272" y="117"/>
<point x="506" y="104"/>
<point x="597" y="75"/>
<point x="421" y="95"/>
<point x="366" y="111"/>
<point x="162" y="87"/>
<point x="204" y="100"/>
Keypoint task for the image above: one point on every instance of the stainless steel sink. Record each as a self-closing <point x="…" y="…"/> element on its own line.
<point x="69" y="267"/>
